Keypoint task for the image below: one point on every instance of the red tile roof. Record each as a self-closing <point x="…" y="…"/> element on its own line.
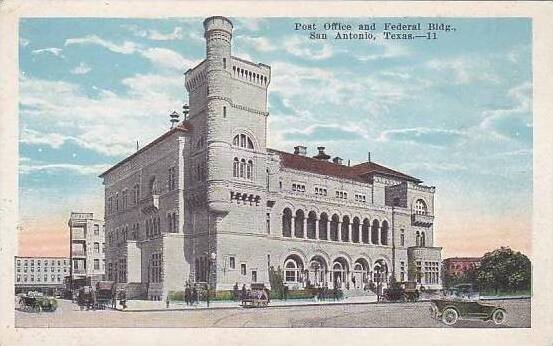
<point x="362" y="172"/>
<point x="183" y="126"/>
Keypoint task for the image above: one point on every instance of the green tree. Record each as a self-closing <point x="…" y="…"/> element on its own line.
<point x="276" y="279"/>
<point x="504" y="269"/>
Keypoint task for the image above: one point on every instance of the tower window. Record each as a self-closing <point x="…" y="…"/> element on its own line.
<point x="224" y="112"/>
<point x="242" y="140"/>
<point x="224" y="63"/>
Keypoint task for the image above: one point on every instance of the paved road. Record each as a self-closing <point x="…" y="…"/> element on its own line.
<point x="363" y="315"/>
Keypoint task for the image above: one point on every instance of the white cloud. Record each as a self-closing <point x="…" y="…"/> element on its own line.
<point x="81" y="69"/>
<point x="464" y="70"/>
<point x="383" y="49"/>
<point x="261" y="44"/>
<point x="27" y="167"/>
<point x="422" y="135"/>
<point x="109" y="123"/>
<point x="514" y="121"/>
<point x="126" y="47"/>
<point x="162" y="57"/>
<point x="251" y="24"/>
<point x="23" y="42"/>
<point x="155" y="35"/>
<point x="307" y="50"/>
<point x="53" y="51"/>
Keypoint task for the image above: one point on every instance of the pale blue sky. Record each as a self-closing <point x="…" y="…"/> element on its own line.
<point x="454" y="112"/>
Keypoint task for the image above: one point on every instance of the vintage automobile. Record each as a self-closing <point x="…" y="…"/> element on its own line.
<point x="37" y="302"/>
<point x="257" y="296"/>
<point x="463" y="303"/>
<point x="401" y="291"/>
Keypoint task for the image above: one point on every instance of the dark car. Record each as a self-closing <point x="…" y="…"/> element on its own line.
<point x="462" y="303"/>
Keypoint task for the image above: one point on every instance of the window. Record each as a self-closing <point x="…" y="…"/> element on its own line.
<point x="59" y="262"/>
<point x="417" y="239"/>
<point x="18" y="262"/>
<point x="25" y="278"/>
<point x="59" y="278"/>
<point x="153" y="186"/>
<point x="420" y="207"/>
<point x="103" y="247"/>
<point x="360" y="198"/>
<point x="341" y="195"/>
<point x="125" y="200"/>
<point x="249" y="170"/>
<point x="402" y="238"/>
<point x="232" y="262"/>
<point x="291" y="273"/>
<point x="298" y="188"/>
<point x="32" y="262"/>
<point x="96" y="247"/>
<point x="96" y="264"/>
<point x="268" y="221"/>
<point x="243" y="268"/>
<point x="18" y="278"/>
<point x="156" y="268"/>
<point x="242" y="168"/>
<point x="32" y="278"/>
<point x="96" y="229"/>
<point x="402" y="271"/>
<point x="53" y="278"/>
<point x="423" y="240"/>
<point x="135" y="193"/>
<point x="254" y="275"/>
<point x="224" y="112"/>
<point x="242" y="141"/>
<point x="45" y="277"/>
<point x="236" y="168"/>
<point x="320" y="191"/>
<point x="172" y="182"/>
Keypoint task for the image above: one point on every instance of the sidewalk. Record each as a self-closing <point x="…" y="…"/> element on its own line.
<point x="149" y="305"/>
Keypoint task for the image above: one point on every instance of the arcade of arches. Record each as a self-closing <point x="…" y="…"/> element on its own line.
<point x="324" y="227"/>
<point x="340" y="273"/>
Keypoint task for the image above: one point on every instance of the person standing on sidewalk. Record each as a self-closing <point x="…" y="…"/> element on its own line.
<point x="207" y="293"/>
<point x="195" y="297"/>
<point x="167" y="301"/>
<point x="235" y="292"/>
<point x="187" y="295"/>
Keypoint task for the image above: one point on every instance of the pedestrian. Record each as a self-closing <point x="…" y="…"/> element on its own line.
<point x="285" y="292"/>
<point x="268" y="293"/>
<point x="207" y="295"/>
<point x="123" y="298"/>
<point x="167" y="302"/>
<point x="235" y="292"/>
<point x="195" y="298"/>
<point x="187" y="295"/>
<point x="243" y="296"/>
<point x="335" y="291"/>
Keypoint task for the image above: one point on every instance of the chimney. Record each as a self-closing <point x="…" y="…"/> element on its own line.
<point x="300" y="150"/>
<point x="321" y="155"/>
<point x="337" y="160"/>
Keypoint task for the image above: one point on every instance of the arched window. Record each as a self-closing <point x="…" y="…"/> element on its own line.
<point x="292" y="270"/>
<point x="243" y="141"/>
<point x="423" y="239"/>
<point x="418" y="239"/>
<point x="242" y="168"/>
<point x="311" y="225"/>
<point x="344" y="234"/>
<point x="236" y="168"/>
<point x="249" y="170"/>
<point x="374" y="232"/>
<point x="384" y="233"/>
<point x="323" y="227"/>
<point x="420" y="207"/>
<point x="287" y="223"/>
<point x="365" y="231"/>
<point x="334" y="221"/>
<point x="299" y="232"/>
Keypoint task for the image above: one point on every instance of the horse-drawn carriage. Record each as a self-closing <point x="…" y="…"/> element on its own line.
<point x="257" y="296"/>
<point x="37" y="302"/>
<point x="104" y="294"/>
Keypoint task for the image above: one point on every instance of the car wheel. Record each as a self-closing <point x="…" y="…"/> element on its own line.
<point x="499" y="316"/>
<point x="450" y="316"/>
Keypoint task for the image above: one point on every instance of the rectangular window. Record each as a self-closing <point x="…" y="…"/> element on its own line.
<point x="172" y="181"/>
<point x="402" y="238"/>
<point x="97" y="247"/>
<point x="243" y="268"/>
<point x="232" y="262"/>
<point x="18" y="278"/>
<point x="96" y="264"/>
<point x="96" y="229"/>
<point x="268" y="223"/>
<point x="254" y="275"/>
<point x="224" y="112"/>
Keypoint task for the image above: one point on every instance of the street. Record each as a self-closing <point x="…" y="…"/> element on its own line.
<point x="359" y="315"/>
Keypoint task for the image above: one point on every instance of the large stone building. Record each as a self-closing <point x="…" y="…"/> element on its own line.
<point x="209" y="202"/>
<point x="87" y="249"/>
<point x="41" y="274"/>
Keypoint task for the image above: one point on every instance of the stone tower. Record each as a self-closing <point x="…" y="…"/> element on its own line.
<point x="228" y="100"/>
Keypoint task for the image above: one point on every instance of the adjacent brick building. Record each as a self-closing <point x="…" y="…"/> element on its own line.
<point x="41" y="274"/>
<point x="209" y="202"/>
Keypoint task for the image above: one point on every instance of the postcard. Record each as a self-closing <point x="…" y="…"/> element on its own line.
<point x="344" y="170"/>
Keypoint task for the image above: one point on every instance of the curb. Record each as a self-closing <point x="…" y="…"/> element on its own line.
<point x="240" y="307"/>
<point x="296" y="305"/>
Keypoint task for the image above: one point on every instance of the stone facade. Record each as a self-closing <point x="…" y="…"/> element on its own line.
<point x="41" y="274"/>
<point x="87" y="249"/>
<point x="209" y="202"/>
